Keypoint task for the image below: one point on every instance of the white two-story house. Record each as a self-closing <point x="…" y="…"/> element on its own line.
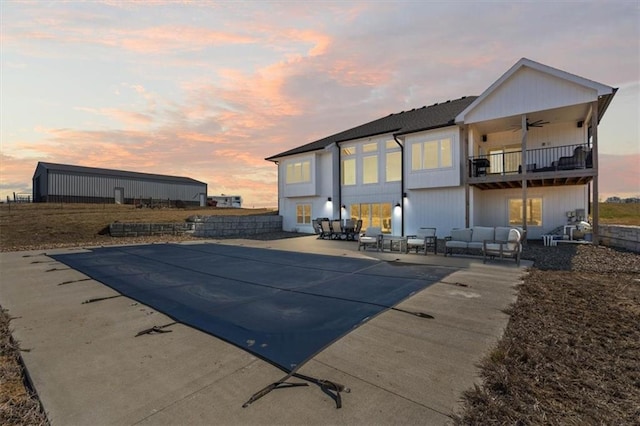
<point x="523" y="153"/>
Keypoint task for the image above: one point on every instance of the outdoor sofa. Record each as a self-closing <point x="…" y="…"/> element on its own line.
<point x="474" y="238"/>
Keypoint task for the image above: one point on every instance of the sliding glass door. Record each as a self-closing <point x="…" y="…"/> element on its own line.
<point x="373" y="215"/>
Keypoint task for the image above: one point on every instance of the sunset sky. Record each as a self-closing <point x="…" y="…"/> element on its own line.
<point x="207" y="90"/>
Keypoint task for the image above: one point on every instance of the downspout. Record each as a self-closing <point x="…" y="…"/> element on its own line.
<point x="395" y="137"/>
<point x="339" y="183"/>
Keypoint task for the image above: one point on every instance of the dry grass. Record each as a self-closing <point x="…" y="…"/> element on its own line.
<point x="18" y="405"/>
<point x="620" y="213"/>
<point x="22" y="225"/>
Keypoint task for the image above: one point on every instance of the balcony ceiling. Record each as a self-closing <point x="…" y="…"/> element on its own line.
<point x="572" y="113"/>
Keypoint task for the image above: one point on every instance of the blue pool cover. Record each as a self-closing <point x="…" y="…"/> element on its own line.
<point x="283" y="307"/>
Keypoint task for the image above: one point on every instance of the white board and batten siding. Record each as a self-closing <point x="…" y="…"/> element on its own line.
<point x="529" y="90"/>
<point x="442" y="209"/>
<point x="301" y="189"/>
<point x="436" y="178"/>
<point x="491" y="207"/>
<point x="314" y="193"/>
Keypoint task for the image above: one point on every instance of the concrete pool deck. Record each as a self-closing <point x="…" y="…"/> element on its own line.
<point x="89" y="368"/>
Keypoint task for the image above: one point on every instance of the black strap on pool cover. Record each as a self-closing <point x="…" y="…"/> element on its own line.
<point x="157" y="329"/>
<point x="328" y="387"/>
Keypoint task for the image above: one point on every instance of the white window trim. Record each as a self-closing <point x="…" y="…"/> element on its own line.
<point x="298" y="179"/>
<point x="303" y="205"/>
<point x="345" y="157"/>
<point x="438" y="142"/>
<point x="377" y="168"/>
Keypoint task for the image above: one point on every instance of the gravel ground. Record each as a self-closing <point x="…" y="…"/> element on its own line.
<point x="581" y="258"/>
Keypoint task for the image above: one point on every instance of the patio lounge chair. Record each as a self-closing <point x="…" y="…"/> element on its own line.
<point x="510" y="248"/>
<point x="424" y="240"/>
<point x="371" y="237"/>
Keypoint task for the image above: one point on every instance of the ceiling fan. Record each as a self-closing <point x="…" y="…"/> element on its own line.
<point x="537" y="123"/>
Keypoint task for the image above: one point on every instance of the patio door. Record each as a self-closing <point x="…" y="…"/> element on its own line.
<point x="373" y="215"/>
<point x="505" y="160"/>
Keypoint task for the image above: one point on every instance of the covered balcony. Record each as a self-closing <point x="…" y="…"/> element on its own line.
<point x="553" y="166"/>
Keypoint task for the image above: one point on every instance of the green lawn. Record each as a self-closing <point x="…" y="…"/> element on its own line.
<point x="620" y="213"/>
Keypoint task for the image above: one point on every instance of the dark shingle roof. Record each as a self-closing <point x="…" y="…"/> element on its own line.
<point x="419" y="119"/>
<point x="118" y="173"/>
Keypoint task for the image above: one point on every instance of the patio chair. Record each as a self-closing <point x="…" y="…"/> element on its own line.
<point x="371" y="237"/>
<point x="424" y="240"/>
<point x="510" y="248"/>
<point x="355" y="231"/>
<point x="336" y="230"/>
<point x="347" y="229"/>
<point x="317" y="227"/>
<point x="326" y="229"/>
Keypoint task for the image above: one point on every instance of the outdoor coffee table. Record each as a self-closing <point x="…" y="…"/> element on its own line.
<point x="394" y="243"/>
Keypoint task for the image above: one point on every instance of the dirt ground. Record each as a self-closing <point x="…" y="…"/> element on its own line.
<point x="570" y="354"/>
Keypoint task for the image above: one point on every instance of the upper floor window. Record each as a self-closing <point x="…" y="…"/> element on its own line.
<point x="299" y="172"/>
<point x="348" y="150"/>
<point x="370" y="147"/>
<point x="393" y="162"/>
<point x="348" y="166"/>
<point x="370" y="163"/>
<point x="434" y="154"/>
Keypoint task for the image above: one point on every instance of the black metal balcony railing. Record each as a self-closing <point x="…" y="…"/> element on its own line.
<point x="567" y="157"/>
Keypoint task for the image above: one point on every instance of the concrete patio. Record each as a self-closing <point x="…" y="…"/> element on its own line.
<point x="89" y="368"/>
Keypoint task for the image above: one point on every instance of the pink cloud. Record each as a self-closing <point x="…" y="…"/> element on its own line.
<point x="172" y="38"/>
<point x="127" y="118"/>
<point x="150" y="40"/>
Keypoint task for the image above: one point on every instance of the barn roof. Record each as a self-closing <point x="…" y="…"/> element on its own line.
<point x="68" y="168"/>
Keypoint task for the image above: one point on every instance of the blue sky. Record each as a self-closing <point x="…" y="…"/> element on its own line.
<point x="209" y="89"/>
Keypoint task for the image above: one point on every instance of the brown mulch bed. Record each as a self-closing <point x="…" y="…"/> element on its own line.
<point x="570" y="354"/>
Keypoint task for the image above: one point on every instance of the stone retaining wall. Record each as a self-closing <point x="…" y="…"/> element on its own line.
<point x="225" y="226"/>
<point x="621" y="236"/>
<point x="118" y="229"/>
<point x="202" y="226"/>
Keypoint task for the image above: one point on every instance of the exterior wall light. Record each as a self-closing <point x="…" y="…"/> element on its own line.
<point x="398" y="204"/>
<point x="329" y="199"/>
